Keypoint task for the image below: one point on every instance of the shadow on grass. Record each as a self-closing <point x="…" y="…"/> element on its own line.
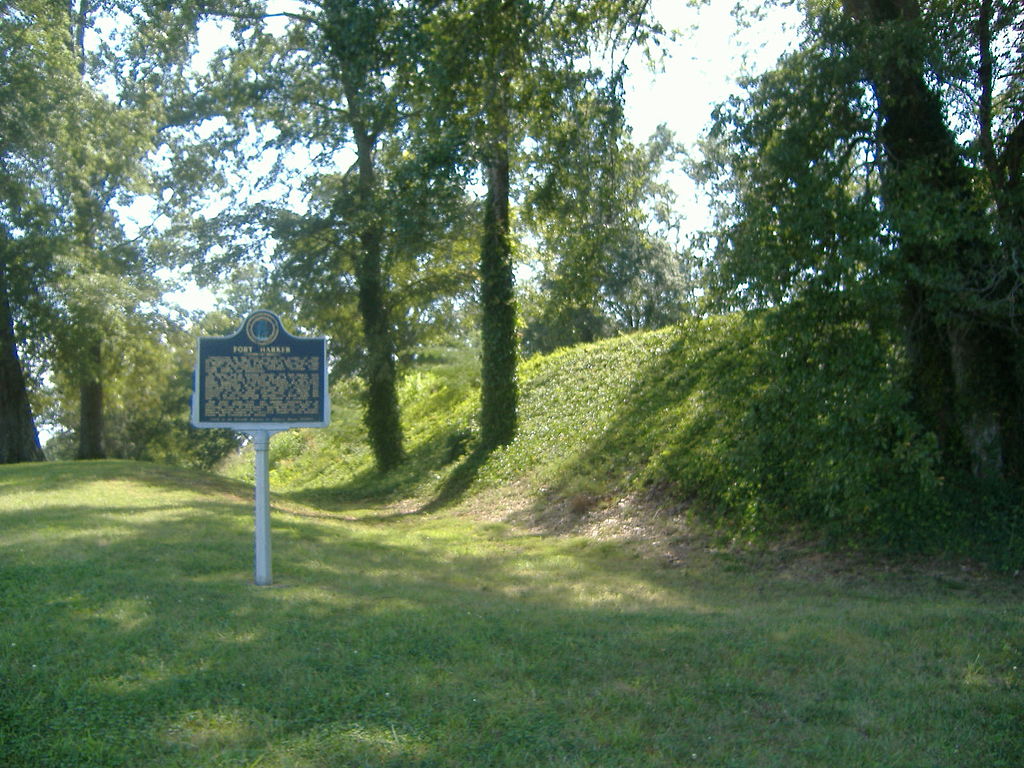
<point x="73" y="476"/>
<point x="459" y="481"/>
<point x="381" y="652"/>
<point x="446" y="644"/>
<point x="399" y="485"/>
<point x="328" y="503"/>
<point x="372" y="486"/>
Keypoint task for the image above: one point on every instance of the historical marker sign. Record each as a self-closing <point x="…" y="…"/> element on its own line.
<point x="262" y="377"/>
<point x="261" y="380"/>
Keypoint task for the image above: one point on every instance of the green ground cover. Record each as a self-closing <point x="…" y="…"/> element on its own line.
<point x="131" y="636"/>
<point x="755" y="429"/>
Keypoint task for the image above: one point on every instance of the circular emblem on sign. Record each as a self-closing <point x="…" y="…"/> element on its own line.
<point x="261" y="328"/>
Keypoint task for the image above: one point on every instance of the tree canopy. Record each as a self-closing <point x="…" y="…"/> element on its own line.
<point x="429" y="131"/>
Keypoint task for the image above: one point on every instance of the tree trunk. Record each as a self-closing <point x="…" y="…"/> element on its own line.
<point x="382" y="416"/>
<point x="90" y="417"/>
<point x="19" y="440"/>
<point x="984" y="372"/>
<point x="499" y="393"/>
<point x="931" y="373"/>
<point x="963" y="368"/>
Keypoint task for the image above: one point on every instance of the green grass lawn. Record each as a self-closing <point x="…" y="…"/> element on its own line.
<point x="132" y="636"/>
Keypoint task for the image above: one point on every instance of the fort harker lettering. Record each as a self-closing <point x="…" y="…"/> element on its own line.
<point x="249" y="350"/>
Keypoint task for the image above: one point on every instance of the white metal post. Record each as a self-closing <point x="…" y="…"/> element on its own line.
<point x="263" y="576"/>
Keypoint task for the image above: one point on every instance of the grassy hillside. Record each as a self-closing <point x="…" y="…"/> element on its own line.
<point x="748" y="426"/>
<point x="131" y="636"/>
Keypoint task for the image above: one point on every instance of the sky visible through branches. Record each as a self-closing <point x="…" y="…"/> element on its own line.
<point x="699" y="68"/>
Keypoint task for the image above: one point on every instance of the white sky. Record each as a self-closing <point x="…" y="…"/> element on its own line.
<point x="702" y="66"/>
<point x="700" y="69"/>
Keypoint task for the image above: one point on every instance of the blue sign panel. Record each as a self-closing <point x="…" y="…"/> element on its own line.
<point x="260" y="378"/>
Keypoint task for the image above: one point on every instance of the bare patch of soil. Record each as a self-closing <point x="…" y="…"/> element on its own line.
<point x="660" y="527"/>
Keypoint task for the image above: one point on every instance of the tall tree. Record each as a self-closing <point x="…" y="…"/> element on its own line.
<point x="95" y="171"/>
<point x="19" y="439"/>
<point x="372" y="245"/>
<point x="39" y="91"/>
<point x="963" y="355"/>
<point x="128" y="57"/>
<point x="502" y="68"/>
<point x="362" y="39"/>
<point x="336" y="82"/>
<point x="420" y="95"/>
<point x="849" y="177"/>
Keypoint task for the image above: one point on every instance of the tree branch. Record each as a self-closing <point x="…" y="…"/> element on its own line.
<point x="984" y="30"/>
<point x="262" y="16"/>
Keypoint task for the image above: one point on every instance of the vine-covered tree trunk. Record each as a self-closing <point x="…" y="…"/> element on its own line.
<point x="499" y="394"/>
<point x="965" y="373"/>
<point x="382" y="416"/>
<point x="90" y="387"/>
<point x="354" y="32"/>
<point x="19" y="440"/>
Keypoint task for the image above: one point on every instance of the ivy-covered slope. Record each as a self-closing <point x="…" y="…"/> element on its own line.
<point x="756" y="426"/>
